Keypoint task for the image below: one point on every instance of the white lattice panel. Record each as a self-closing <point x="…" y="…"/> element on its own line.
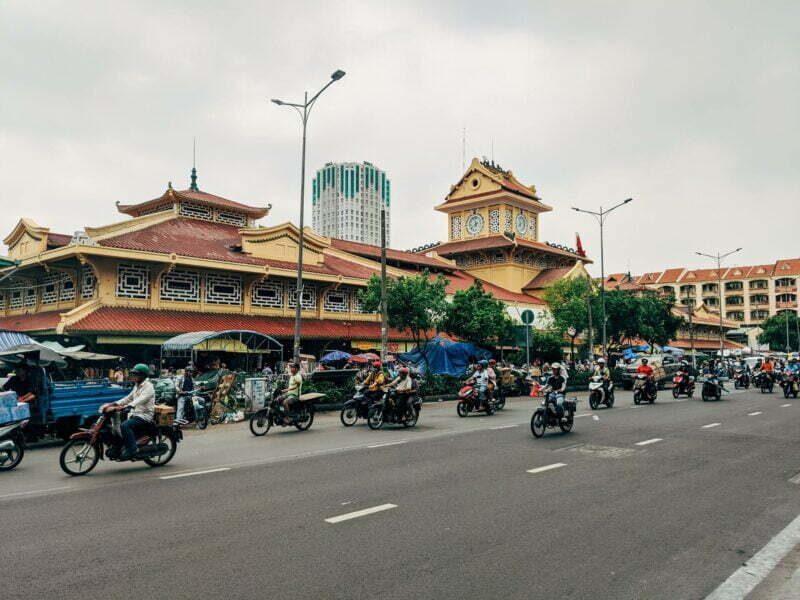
<point x="509" y="222"/>
<point x="336" y="301"/>
<point x="67" y="289"/>
<point x="498" y="257"/>
<point x="494" y="220"/>
<point x="155" y="209"/>
<point x="309" y="301"/>
<point x="50" y="288"/>
<point x="133" y="281"/>
<point x="462" y="261"/>
<point x="2" y="300"/>
<point x="268" y="294"/>
<point x="531" y="226"/>
<point x="197" y="211"/>
<point x="481" y="259"/>
<point x="223" y="289"/>
<point x="180" y="285"/>
<point x="15" y="299"/>
<point x="88" y="282"/>
<point x="30" y="296"/>
<point x="231" y="218"/>
<point x="355" y="302"/>
<point x="456" y="226"/>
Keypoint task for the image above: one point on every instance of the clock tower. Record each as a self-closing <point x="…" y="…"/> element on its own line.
<point x="493" y="230"/>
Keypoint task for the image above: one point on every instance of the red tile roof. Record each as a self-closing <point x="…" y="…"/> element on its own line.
<point x="194" y="196"/>
<point x="546" y="278"/>
<point x="459" y="280"/>
<point x="43" y="321"/>
<point x="216" y="241"/>
<point x="787" y="267"/>
<point x="145" y="321"/>
<point x="501" y="241"/>
<point x="671" y="275"/>
<point x="374" y="252"/>
<point x="686" y="344"/>
<point x="58" y="239"/>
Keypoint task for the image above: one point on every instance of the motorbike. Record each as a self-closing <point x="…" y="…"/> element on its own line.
<point x="12" y="444"/>
<point x="712" y="388"/>
<point x="790" y="385"/>
<point x="642" y="392"/>
<point x="546" y="415"/>
<point x="104" y="440"/>
<point x="301" y="415"/>
<point x="683" y="383"/>
<point x="597" y="393"/>
<point x="391" y="408"/>
<point x="198" y="409"/>
<point x="356" y="408"/>
<point x="741" y="379"/>
<point x="765" y="382"/>
<point x="469" y="400"/>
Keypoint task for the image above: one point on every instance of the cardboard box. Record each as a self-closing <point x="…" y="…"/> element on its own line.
<point x="164" y="415"/>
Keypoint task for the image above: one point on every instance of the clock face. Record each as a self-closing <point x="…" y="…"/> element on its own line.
<point x="474" y="224"/>
<point x="522" y="224"/>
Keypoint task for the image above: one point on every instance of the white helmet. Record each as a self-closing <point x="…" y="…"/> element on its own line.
<point x="601" y="361"/>
<point x="555" y="365"/>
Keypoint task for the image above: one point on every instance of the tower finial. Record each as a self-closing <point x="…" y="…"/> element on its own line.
<point x="193" y="185"/>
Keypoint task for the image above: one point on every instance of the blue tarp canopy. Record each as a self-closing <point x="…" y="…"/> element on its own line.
<point x="9" y="339"/>
<point x="243" y="339"/>
<point x="445" y="357"/>
<point x="672" y="350"/>
<point x="334" y="356"/>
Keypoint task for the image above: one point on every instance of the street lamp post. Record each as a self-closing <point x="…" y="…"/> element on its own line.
<point x="719" y="258"/>
<point x="601" y="217"/>
<point x="304" y="110"/>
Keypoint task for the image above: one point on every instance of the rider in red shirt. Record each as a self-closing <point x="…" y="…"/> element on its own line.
<point x="648" y="371"/>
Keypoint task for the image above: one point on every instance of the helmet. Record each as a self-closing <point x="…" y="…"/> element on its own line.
<point x="140" y="369"/>
<point x="492" y="361"/>
<point x="555" y="365"/>
<point x="484" y="363"/>
<point x="376" y="364"/>
<point x="644" y="361"/>
<point x="294" y="365"/>
<point x="601" y="361"/>
<point x="404" y="370"/>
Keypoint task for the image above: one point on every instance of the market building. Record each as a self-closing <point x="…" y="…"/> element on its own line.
<point x="190" y="260"/>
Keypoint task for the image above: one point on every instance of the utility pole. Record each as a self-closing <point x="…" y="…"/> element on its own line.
<point x="589" y="309"/>
<point x="719" y="258"/>
<point x="384" y="327"/>
<point x="788" y="347"/>
<point x="690" y="306"/>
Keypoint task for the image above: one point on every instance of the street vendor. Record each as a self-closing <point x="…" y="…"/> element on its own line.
<point x="294" y="387"/>
<point x="22" y="383"/>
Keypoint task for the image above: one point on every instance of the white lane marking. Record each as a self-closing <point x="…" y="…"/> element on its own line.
<point x="753" y="572"/>
<point x="579" y="416"/>
<point x="595" y="418"/>
<point x="646" y="442"/>
<point x="384" y="444"/>
<point x="44" y="491"/>
<point x="710" y="425"/>
<point x="785" y="405"/>
<point x="547" y="468"/>
<point x="753" y="414"/>
<point x="191" y="473"/>
<point x="504" y="426"/>
<point x="360" y="513"/>
<point x="795" y="480"/>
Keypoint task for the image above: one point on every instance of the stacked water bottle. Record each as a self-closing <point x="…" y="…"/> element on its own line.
<point x="11" y="410"/>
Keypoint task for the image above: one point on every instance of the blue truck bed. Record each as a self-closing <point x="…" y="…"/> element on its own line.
<point x="81" y="399"/>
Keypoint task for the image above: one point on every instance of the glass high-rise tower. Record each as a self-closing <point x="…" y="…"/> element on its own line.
<point x="347" y="199"/>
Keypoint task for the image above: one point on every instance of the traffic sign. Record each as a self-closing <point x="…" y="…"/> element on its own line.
<point x="527" y="316"/>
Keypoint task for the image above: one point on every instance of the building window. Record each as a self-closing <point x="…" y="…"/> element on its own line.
<point x="734" y="301"/>
<point x="335" y="301"/>
<point x="785" y="282"/>
<point x="67" y="289"/>
<point x="356" y="304"/>
<point x="532" y="223"/>
<point x="180" y="286"/>
<point x="498" y="257"/>
<point x="88" y="282"/>
<point x="786" y="298"/>
<point x="494" y="220"/>
<point x="687" y="290"/>
<point x="759" y="284"/>
<point x="735" y="315"/>
<point x="733" y="286"/>
<point x="481" y="259"/>
<point x="196" y="211"/>
<point x="709" y="301"/>
<point x="30" y="296"/>
<point x="50" y="289"/>
<point x="509" y="222"/>
<point x="758" y="315"/>
<point x="223" y="289"/>
<point x="231" y="218"/>
<point x="309" y="300"/>
<point x="16" y="298"/>
<point x="667" y="290"/>
<point x="456" y="227"/>
<point x="268" y="294"/>
<point x="710" y="288"/>
<point x="759" y="299"/>
<point x="133" y="281"/>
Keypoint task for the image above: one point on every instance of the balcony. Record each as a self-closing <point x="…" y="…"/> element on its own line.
<point x="786" y="289"/>
<point x="786" y="304"/>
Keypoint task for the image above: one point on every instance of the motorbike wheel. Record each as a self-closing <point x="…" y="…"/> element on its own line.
<point x="11" y="458"/>
<point x="260" y="423"/>
<point x="566" y="426"/>
<point x="500" y="404"/>
<point x="593" y="403"/>
<point x="786" y="392"/>
<point x="490" y="409"/>
<point x="675" y="391"/>
<point x="348" y="416"/>
<point x="461" y="409"/>
<point x="610" y="401"/>
<point x="203" y="423"/>
<point x="306" y="424"/>
<point x="375" y="418"/>
<point x="637" y="398"/>
<point x="537" y="424"/>
<point x="652" y="398"/>
<point x="78" y="457"/>
<point x="411" y="418"/>
<point x="764" y="389"/>
<point x="162" y="459"/>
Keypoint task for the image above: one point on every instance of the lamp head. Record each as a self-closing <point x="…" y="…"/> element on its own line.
<point x="276" y="101"/>
<point x="628" y="200"/>
<point x="337" y="74"/>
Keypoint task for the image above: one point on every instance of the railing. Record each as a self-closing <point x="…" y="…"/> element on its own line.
<point x="785" y="289"/>
<point x="789" y="304"/>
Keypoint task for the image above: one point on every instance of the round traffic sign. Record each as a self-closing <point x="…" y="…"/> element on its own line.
<point x="527" y="316"/>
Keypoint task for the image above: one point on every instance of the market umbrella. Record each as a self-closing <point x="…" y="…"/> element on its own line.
<point x="366" y="357"/>
<point x="334" y="356"/>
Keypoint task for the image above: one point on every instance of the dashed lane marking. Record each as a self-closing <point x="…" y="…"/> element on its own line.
<point x="547" y="468"/>
<point x="360" y="513"/>
<point x="785" y="405"/>
<point x="710" y="425"/>
<point x="383" y="445"/>
<point x="495" y="428"/>
<point x="795" y="480"/>
<point x="648" y="442"/>
<point x="192" y="473"/>
<point x="595" y="418"/>
<point x="754" y="414"/>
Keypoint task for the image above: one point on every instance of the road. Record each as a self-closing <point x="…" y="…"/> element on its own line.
<point x="663" y="501"/>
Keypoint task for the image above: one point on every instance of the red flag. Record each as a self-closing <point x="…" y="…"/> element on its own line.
<point x="578" y="244"/>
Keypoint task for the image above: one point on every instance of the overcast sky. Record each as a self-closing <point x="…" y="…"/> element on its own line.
<point x="691" y="108"/>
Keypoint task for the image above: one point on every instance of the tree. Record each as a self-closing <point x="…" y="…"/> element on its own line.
<point x="773" y="331"/>
<point x="477" y="316"/>
<point x="656" y="323"/>
<point x="567" y="301"/>
<point x="414" y="304"/>
<point x="622" y="321"/>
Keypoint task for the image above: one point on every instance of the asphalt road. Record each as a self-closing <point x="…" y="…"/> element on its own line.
<point x="450" y="509"/>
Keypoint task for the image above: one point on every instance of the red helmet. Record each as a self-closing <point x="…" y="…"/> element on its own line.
<point x="404" y="370"/>
<point x="492" y="361"/>
<point x="376" y="364"/>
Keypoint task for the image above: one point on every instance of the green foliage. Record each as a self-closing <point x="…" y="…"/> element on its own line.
<point x="439" y="385"/>
<point x="656" y="323"/>
<point x="545" y="346"/>
<point x="477" y="316"/>
<point x="567" y="300"/>
<point x="415" y="304"/>
<point x="336" y="392"/>
<point x="621" y="316"/>
<point x="774" y="331"/>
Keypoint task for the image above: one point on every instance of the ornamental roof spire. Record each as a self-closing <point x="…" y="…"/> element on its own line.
<point x="193" y="185"/>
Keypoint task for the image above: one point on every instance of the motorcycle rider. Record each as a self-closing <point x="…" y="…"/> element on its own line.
<point x="768" y="369"/>
<point x="403" y="387"/>
<point x="295" y="385"/>
<point x="481" y="377"/>
<point x="602" y="369"/>
<point x="647" y="370"/>
<point x="683" y="372"/>
<point x="142" y="399"/>
<point x="375" y="381"/>
<point x="185" y="389"/>
<point x="558" y="383"/>
<point x="491" y="373"/>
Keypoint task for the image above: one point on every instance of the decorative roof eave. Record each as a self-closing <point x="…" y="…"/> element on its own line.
<point x="129" y="225"/>
<point x="502" y="241"/>
<point x="514" y="185"/>
<point x="172" y="195"/>
<point x="24" y="226"/>
<point x="310" y="237"/>
<point x="199" y="263"/>
<point x="503" y="196"/>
